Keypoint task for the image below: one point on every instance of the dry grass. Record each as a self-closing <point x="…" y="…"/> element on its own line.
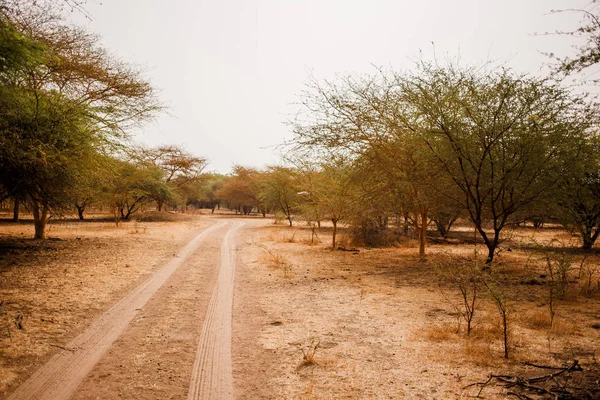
<point x="440" y="332"/>
<point x="275" y="260"/>
<point x="538" y="319"/>
<point x="309" y="350"/>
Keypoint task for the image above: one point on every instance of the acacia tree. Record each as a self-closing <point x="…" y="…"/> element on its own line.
<point x="129" y="186"/>
<point x="179" y="167"/>
<point x="503" y="139"/>
<point x="241" y="190"/>
<point x="68" y="101"/>
<point x="328" y="192"/>
<point x="359" y="119"/>
<point x="279" y="190"/>
<point x="576" y="197"/>
<point x="41" y="149"/>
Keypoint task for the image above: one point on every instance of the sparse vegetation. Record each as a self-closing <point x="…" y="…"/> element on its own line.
<point x="402" y="211"/>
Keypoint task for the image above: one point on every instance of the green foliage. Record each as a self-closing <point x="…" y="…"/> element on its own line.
<point x="485" y="143"/>
<point x="130" y="186"/>
<point x="576" y="197"/>
<point x="17" y="51"/>
<point x="279" y="188"/>
<point x="44" y="141"/>
<point x="62" y="99"/>
<point x="241" y="190"/>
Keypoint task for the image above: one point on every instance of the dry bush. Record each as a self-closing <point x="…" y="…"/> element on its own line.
<point x="138" y="228"/>
<point x="368" y="233"/>
<point x="158" y="216"/>
<point x="478" y="352"/>
<point x="589" y="280"/>
<point x="504" y="306"/>
<point x="288" y="238"/>
<point x="276" y="260"/>
<point x="562" y="327"/>
<point x="312" y="241"/>
<point x="464" y="276"/>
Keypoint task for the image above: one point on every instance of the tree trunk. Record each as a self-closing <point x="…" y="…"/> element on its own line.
<point x="16" y="210"/>
<point x="492" y="247"/>
<point x="80" y="211"/>
<point x="334" y="233"/>
<point x="589" y="237"/>
<point x="159" y="204"/>
<point x="423" y="231"/>
<point x="405" y="225"/>
<point x="40" y="216"/>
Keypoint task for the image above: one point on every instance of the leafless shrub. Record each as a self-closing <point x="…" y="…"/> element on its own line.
<point x="466" y="277"/>
<point x="504" y="307"/>
<point x="589" y="283"/>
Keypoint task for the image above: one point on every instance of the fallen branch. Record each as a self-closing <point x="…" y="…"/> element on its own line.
<point x="555" y="385"/>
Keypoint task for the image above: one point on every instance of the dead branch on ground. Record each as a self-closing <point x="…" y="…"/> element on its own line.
<point x="564" y="383"/>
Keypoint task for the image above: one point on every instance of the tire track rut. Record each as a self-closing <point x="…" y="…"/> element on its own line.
<point x="212" y="376"/>
<point x="63" y="373"/>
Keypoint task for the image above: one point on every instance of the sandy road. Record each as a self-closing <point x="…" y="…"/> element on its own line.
<point x="161" y="319"/>
<point x="212" y="376"/>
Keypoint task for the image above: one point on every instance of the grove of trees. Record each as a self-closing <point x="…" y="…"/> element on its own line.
<point x="66" y="108"/>
<point x="386" y="155"/>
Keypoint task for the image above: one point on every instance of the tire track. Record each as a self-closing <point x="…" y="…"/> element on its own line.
<point x="212" y="376"/>
<point x="62" y="374"/>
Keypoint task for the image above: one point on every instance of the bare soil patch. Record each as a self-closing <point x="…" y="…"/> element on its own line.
<point x="375" y="323"/>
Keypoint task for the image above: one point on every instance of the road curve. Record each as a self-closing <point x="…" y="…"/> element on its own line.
<point x="212" y="376"/>
<point x="62" y="374"/>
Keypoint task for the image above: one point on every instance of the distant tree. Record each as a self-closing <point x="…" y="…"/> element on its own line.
<point x="204" y="192"/>
<point x="279" y="188"/>
<point x="241" y="190"/>
<point x="90" y="181"/>
<point x="179" y="167"/>
<point x="329" y="192"/>
<point x="130" y="186"/>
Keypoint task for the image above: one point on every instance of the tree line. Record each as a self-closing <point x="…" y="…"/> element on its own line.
<point x="385" y="154"/>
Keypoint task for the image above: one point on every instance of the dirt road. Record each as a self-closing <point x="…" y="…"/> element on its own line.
<point x="144" y="345"/>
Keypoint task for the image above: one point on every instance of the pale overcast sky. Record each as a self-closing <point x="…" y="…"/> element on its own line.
<point x="230" y="71"/>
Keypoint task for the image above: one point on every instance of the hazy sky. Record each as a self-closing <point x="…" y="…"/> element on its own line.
<point x="231" y="71"/>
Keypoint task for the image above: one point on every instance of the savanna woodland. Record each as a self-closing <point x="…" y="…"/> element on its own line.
<point x="430" y="233"/>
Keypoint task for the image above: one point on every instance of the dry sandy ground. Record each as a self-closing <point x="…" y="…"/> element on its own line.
<point x="308" y="323"/>
<point x="54" y="289"/>
<point x="381" y="326"/>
